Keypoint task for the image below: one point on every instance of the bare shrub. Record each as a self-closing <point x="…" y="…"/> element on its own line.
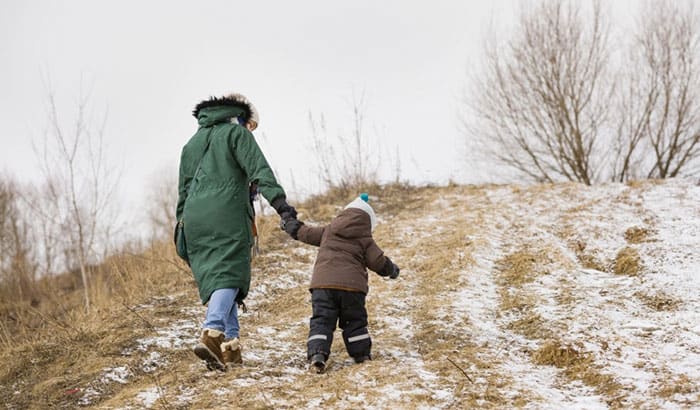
<point x="541" y="101"/>
<point x="74" y="203"/>
<point x="350" y="159"/>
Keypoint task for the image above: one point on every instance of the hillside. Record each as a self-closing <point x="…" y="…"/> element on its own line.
<point x="546" y="296"/>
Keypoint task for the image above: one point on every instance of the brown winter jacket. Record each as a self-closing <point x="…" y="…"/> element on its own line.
<point x="346" y="250"/>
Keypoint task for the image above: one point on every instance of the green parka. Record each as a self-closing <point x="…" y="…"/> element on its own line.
<point x="217" y="213"/>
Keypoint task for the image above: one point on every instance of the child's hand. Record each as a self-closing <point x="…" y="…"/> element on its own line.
<point x="390" y="269"/>
<point x="395" y="273"/>
<point x="291" y="226"/>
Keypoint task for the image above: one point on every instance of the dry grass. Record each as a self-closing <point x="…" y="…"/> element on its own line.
<point x="636" y="235"/>
<point x="579" y="365"/>
<point x="677" y="384"/>
<point x="439" y="264"/>
<point x="532" y="326"/>
<point x="393" y="198"/>
<point x="627" y="262"/>
<point x="660" y="302"/>
<point x="587" y="258"/>
<point x="51" y="351"/>
<point x="515" y="300"/>
<point x="518" y="268"/>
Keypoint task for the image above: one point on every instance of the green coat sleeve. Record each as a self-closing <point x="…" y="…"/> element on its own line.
<point x="251" y="158"/>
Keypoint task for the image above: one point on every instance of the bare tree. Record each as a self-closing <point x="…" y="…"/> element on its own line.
<point x="541" y="101"/>
<point x="74" y="202"/>
<point x="348" y="160"/>
<point x="663" y="118"/>
<point x="550" y="105"/>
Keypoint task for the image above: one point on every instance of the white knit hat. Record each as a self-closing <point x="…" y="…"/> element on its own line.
<point x="361" y="203"/>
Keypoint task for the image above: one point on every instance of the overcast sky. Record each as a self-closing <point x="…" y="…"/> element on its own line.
<point x="148" y="63"/>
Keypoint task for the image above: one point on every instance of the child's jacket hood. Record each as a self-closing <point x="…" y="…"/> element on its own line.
<point x="359" y="203"/>
<point x="351" y="223"/>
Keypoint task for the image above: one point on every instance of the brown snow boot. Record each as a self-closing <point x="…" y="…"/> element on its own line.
<point x="231" y="351"/>
<point x="209" y="349"/>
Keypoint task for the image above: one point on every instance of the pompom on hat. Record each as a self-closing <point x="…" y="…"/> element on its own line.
<point x="361" y="202"/>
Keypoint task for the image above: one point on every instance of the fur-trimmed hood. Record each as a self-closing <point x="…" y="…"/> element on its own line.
<point x="231" y="100"/>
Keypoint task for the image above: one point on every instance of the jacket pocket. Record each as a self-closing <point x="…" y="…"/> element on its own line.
<point x="180" y="242"/>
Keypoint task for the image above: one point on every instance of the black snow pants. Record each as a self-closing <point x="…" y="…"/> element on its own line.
<point x="348" y="310"/>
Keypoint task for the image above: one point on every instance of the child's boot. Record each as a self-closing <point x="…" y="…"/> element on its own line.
<point x="318" y="363"/>
<point x="363" y="358"/>
<point x="231" y="352"/>
<point x="209" y="349"/>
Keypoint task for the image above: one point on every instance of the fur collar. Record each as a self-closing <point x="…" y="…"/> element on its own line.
<point x="233" y="100"/>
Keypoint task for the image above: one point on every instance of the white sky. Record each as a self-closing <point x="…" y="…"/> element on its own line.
<point x="150" y="62"/>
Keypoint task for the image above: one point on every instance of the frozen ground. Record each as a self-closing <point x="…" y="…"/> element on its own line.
<point x="508" y="297"/>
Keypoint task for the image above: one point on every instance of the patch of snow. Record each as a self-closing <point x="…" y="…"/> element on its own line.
<point x="149" y="397"/>
<point x="186" y="395"/>
<point x="116" y="374"/>
<point x="179" y="334"/>
<point x="221" y="391"/>
<point x="89" y="394"/>
<point x="153" y="361"/>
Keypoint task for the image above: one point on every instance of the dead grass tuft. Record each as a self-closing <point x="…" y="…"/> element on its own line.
<point x="636" y="235"/>
<point x="586" y="257"/>
<point x="517" y="268"/>
<point x="678" y="384"/>
<point x="578" y="365"/>
<point x="516" y="300"/>
<point x="660" y="302"/>
<point x="590" y="261"/>
<point x="532" y="326"/>
<point x="554" y="353"/>
<point x="627" y="262"/>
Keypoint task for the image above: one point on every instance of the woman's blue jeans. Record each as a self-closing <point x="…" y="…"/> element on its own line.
<point x="222" y="313"/>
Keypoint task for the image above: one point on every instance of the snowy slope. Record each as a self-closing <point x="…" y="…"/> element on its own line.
<point x="508" y="297"/>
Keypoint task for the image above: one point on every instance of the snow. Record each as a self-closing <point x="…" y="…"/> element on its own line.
<point x="149" y="397"/>
<point x="606" y="309"/>
<point x="117" y="374"/>
<point x="608" y="316"/>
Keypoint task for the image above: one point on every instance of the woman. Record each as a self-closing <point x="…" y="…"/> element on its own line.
<point x="217" y="167"/>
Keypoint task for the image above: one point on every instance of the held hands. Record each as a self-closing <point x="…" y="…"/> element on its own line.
<point x="291" y="226"/>
<point x="288" y="217"/>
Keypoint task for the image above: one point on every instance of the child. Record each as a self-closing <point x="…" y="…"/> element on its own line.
<point x="339" y="281"/>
